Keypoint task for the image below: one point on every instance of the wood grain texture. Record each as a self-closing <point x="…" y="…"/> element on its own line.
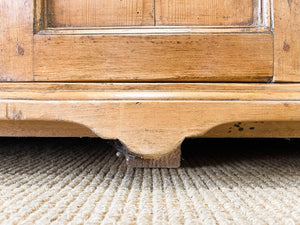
<point x="287" y="40"/>
<point x="16" y="40"/>
<point x="156" y="30"/>
<point x="237" y="129"/>
<point x="254" y="129"/>
<point x="94" y="13"/>
<point x="153" y="128"/>
<point x="203" y="57"/>
<point x="18" y="128"/>
<point x="150" y="91"/>
<point x="204" y="12"/>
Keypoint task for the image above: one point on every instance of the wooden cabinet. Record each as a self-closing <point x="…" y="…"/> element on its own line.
<point x="147" y="72"/>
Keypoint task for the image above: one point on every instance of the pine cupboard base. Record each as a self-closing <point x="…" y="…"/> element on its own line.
<point x="148" y="73"/>
<point x="150" y="121"/>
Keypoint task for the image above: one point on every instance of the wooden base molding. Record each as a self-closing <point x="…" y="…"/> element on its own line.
<point x="244" y="129"/>
<point x="152" y="120"/>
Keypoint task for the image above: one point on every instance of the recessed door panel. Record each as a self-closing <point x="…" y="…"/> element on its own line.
<point x="205" y="12"/>
<point x="95" y="13"/>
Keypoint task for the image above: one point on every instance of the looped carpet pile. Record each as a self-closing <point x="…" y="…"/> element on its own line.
<point x="82" y="181"/>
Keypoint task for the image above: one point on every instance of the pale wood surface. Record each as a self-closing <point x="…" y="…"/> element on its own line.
<point x="92" y="13"/>
<point x="150" y="91"/>
<point x="152" y="120"/>
<point x="16" y="40"/>
<point x="287" y="40"/>
<point x="255" y="129"/>
<point x="151" y="129"/>
<point x="206" y="57"/>
<point x="16" y="45"/>
<point x="204" y="12"/>
<point x="154" y="127"/>
<point x="25" y="128"/>
<point x="155" y="30"/>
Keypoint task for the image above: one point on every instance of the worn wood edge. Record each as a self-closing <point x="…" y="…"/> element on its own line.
<point x="263" y="13"/>
<point x="85" y="86"/>
<point x="151" y="91"/>
<point x="168" y="30"/>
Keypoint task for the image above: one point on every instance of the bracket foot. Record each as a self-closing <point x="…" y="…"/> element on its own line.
<point x="133" y="160"/>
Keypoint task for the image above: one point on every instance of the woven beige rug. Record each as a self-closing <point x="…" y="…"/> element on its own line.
<point x="81" y="181"/>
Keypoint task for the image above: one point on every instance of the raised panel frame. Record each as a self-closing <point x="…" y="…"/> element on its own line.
<point x="282" y="23"/>
<point x="261" y="16"/>
<point x="203" y="53"/>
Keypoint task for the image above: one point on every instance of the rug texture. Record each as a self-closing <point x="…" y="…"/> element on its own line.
<point x="82" y="181"/>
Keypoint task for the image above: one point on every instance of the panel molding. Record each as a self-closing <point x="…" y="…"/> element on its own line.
<point x="167" y="30"/>
<point x="261" y="19"/>
<point x="263" y="13"/>
<point x="150" y="91"/>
